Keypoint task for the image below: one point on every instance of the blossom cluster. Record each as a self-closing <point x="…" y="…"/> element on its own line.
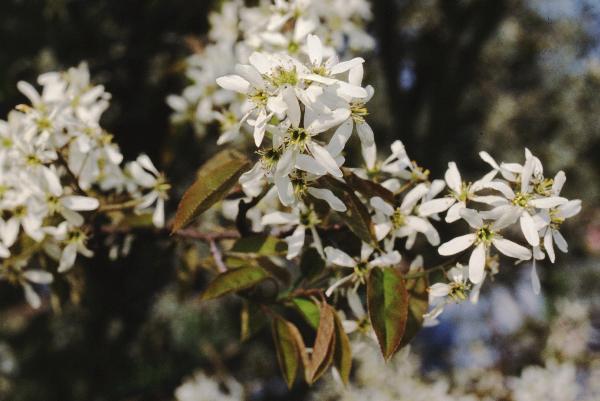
<point x="303" y="109"/>
<point x="277" y="27"/>
<point x="59" y="169"/>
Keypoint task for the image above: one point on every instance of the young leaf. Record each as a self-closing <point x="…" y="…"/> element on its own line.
<point x="357" y="216"/>
<point x="343" y="353"/>
<point x="324" y="348"/>
<point x="285" y="336"/>
<point x="387" y="301"/>
<point x="279" y="272"/>
<point x="418" y="303"/>
<point x="309" y="310"/>
<point x="262" y="245"/>
<point x="368" y="188"/>
<point x="213" y="182"/>
<point x="234" y="280"/>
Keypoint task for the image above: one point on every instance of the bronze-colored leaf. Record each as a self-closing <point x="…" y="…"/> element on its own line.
<point x="324" y="347"/>
<point x="214" y="181"/>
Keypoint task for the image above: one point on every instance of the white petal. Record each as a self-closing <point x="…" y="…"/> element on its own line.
<point x="146" y="163"/>
<point x="340" y="137"/>
<point x="322" y="123"/>
<point x="295" y="242"/>
<point x="346" y="65"/>
<point x="260" y="126"/>
<point x="535" y="279"/>
<point x="547" y="203"/>
<point x="80" y="203"/>
<point x="355" y="75"/>
<point x="234" y="83"/>
<point x="10" y="231"/>
<point x="456" y="245"/>
<point x="279" y="218"/>
<point x="485" y="156"/>
<point x="365" y="133"/>
<point x="560" y="241"/>
<point x="508" y="215"/>
<point x="569" y="209"/>
<point x="339" y="258"/>
<point x="477" y="264"/>
<point x="382" y="230"/>
<point x="454" y="212"/>
<point x="38" y="276"/>
<point x="526" y="175"/>
<point x="28" y="90"/>
<point x="315" y="49"/>
<point x="309" y="164"/>
<point x="529" y="230"/>
<point x="413" y="196"/>
<point x="261" y="62"/>
<point x="472" y="217"/>
<point x="452" y="177"/>
<point x="501" y="187"/>
<point x="324" y="158"/>
<point x="67" y="259"/>
<point x="293" y="108"/>
<point x="388" y="259"/>
<point x="549" y="245"/>
<point x="33" y="299"/>
<point x="251" y="75"/>
<point x="286" y="163"/>
<point x="559" y="181"/>
<point x="158" y="217"/>
<point x="511" y="249"/>
<point x="325" y="194"/>
<point x="439" y="290"/>
<point x="435" y="206"/>
<point x="285" y="190"/>
<point x="380" y="205"/>
<point x="355" y="304"/>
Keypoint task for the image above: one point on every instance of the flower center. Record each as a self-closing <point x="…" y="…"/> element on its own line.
<point x="521" y="199"/>
<point x="398" y="218"/>
<point x="485" y="234"/>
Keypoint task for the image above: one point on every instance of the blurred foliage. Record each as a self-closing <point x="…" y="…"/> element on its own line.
<point x="452" y="78"/>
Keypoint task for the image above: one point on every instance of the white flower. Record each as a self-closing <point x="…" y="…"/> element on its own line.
<point x="146" y="175"/>
<point x="361" y="266"/>
<point x="441" y="294"/>
<point x="26" y="278"/>
<point x="302" y="218"/>
<point x="403" y="221"/>
<point x="482" y="239"/>
<point x="461" y="192"/>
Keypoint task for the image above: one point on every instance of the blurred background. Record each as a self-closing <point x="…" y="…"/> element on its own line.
<point x="451" y="77"/>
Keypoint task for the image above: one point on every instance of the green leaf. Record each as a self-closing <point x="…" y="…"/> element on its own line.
<point x="234" y="280"/>
<point x="387" y="301"/>
<point x="285" y="336"/>
<point x="418" y="304"/>
<point x="343" y="352"/>
<point x="324" y="347"/>
<point x="213" y="182"/>
<point x="368" y="188"/>
<point x="309" y="310"/>
<point x="357" y="217"/>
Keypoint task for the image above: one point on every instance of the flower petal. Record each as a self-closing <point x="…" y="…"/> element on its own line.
<point x="456" y="245"/>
